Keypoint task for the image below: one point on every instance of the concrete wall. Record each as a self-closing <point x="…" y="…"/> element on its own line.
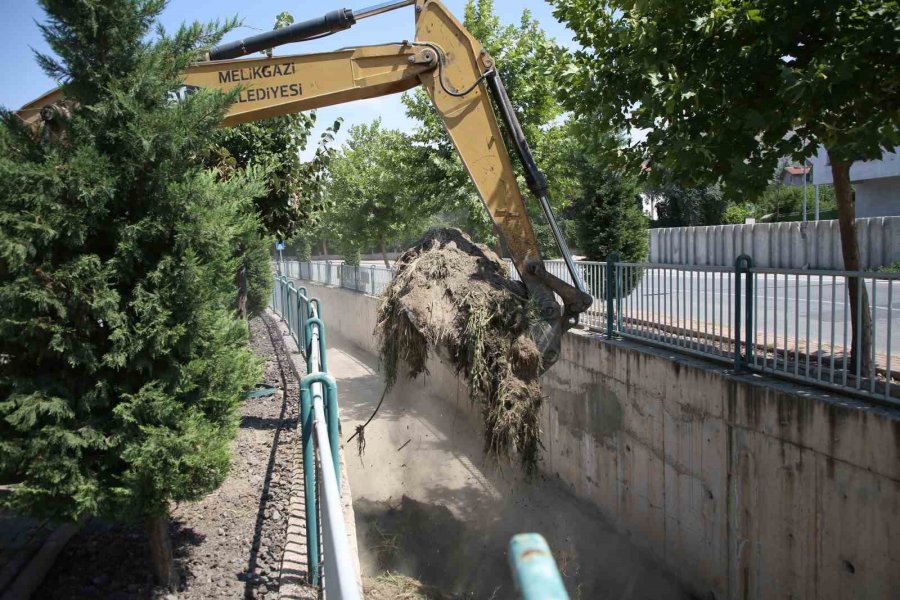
<point x="861" y="170"/>
<point x="794" y="245"/>
<point x="744" y="488"/>
<point x="878" y="197"/>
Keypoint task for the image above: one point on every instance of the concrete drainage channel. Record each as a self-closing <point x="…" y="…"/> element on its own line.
<point x="433" y="515"/>
<point x="430" y="506"/>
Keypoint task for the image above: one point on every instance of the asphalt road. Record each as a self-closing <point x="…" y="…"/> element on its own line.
<point x="809" y="310"/>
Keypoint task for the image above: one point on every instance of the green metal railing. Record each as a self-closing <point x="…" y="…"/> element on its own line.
<point x="791" y="323"/>
<point x="330" y="564"/>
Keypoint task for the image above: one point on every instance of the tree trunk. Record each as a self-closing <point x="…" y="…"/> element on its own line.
<point x="387" y="263"/>
<point x="860" y="324"/>
<point x="324" y="248"/>
<point x="161" y="554"/>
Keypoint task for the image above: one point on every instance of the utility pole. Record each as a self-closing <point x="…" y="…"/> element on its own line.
<point x="805" y="177"/>
<point x="817" y="201"/>
<point x="280" y="247"/>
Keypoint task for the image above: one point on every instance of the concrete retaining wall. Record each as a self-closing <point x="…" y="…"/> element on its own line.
<point x="794" y="245"/>
<point x="745" y="488"/>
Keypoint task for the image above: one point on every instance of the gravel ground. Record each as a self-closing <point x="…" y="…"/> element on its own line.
<point x="230" y="543"/>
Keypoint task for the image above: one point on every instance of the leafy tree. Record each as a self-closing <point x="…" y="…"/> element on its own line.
<point x="121" y="361"/>
<point x="737" y="214"/>
<point x="294" y="187"/>
<point x="725" y="88"/>
<point x="677" y="206"/>
<point x="524" y="54"/>
<point x="609" y="216"/>
<point x="374" y="196"/>
<point x="779" y="203"/>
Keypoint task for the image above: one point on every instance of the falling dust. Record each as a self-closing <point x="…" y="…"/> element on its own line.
<point x="455" y="296"/>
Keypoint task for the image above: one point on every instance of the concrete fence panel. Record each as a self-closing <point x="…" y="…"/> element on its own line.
<point x="794" y="245"/>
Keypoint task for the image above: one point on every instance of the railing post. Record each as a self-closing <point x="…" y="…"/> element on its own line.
<point x="742" y="266"/>
<point x="274" y="292"/>
<point x="290" y="317"/>
<point x="309" y="323"/>
<point x="611" y="293"/>
<point x="309" y="483"/>
<point x="330" y="406"/>
<point x="318" y="305"/>
<point x="372" y="278"/>
<point x="300" y="317"/>
<point x="333" y="422"/>
<point x="283" y="292"/>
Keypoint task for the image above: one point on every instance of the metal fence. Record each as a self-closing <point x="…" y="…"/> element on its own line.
<point x="320" y="446"/>
<point x="803" y="329"/>
<point x="791" y="323"/>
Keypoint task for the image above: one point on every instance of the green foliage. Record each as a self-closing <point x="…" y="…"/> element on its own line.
<point x="350" y="252"/>
<point x="301" y="247"/>
<point x="121" y="360"/>
<point x="894" y="267"/>
<point x="677" y="206"/>
<point x="609" y="217"/>
<point x="785" y="203"/>
<point x="737" y="214"/>
<point x="257" y="261"/>
<point x="272" y="146"/>
<point x="725" y="88"/>
<point x="375" y="197"/>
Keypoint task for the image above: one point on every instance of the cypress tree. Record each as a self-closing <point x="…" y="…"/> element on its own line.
<point x="122" y="359"/>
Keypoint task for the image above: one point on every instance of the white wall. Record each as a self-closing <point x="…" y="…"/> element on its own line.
<point x="878" y="197"/>
<point x="792" y="245"/>
<point x="888" y="166"/>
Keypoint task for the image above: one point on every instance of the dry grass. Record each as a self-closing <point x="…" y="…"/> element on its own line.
<point x="394" y="586"/>
<point x="455" y="295"/>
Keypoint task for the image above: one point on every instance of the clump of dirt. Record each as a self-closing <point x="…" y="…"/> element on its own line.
<point x="394" y="586"/>
<point x="453" y="295"/>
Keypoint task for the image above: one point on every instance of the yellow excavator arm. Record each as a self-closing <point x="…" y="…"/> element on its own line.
<point x="460" y="78"/>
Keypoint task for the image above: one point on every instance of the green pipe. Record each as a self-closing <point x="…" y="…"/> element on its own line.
<point x="534" y="570"/>
<point x="309" y="482"/>
<point x="302" y="315"/>
<point x="332" y="419"/>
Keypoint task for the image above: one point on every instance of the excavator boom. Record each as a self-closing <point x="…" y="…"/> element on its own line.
<point x="458" y="75"/>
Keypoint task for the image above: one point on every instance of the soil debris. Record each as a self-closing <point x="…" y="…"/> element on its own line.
<point x="394" y="586"/>
<point x="455" y="296"/>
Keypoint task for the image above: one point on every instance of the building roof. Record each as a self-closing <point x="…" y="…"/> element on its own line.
<point x="798" y="170"/>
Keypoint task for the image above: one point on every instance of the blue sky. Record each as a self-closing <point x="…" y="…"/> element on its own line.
<point x="21" y="80"/>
